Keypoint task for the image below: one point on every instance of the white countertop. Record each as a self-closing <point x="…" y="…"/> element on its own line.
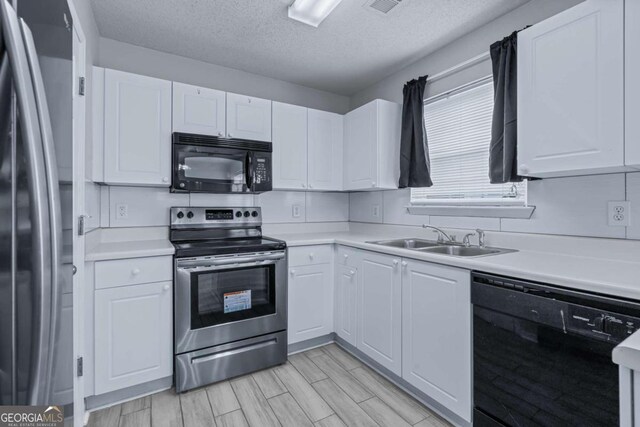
<point x="606" y="276"/>
<point x="129" y="249"/>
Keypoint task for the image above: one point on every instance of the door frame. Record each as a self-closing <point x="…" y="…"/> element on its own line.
<point x="79" y="141"/>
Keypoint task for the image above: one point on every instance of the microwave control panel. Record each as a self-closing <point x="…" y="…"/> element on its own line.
<point x="262" y="172"/>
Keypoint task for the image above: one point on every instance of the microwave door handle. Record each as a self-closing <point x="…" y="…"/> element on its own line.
<point x="249" y="170"/>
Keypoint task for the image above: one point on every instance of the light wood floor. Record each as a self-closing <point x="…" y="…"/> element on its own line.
<point x="322" y="387"/>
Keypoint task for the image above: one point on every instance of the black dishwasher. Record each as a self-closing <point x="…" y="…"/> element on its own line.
<point x="542" y="354"/>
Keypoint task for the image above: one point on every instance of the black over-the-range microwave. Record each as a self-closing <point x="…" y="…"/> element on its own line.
<point x="209" y="164"/>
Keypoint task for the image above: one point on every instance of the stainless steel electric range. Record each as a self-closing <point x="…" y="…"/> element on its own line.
<point x="230" y="295"/>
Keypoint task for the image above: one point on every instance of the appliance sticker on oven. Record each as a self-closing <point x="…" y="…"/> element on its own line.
<point x="237" y="301"/>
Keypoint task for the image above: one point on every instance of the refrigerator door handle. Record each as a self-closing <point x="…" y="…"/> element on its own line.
<point x="39" y="378"/>
<point x="53" y="189"/>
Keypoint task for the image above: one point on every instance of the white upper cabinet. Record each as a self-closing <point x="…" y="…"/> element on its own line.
<point x="436" y="333"/>
<point x="248" y="117"/>
<point x="571" y="92"/>
<point x="372" y="146"/>
<point x="137" y="129"/>
<point x="289" y="147"/>
<point x="632" y="83"/>
<point x="325" y="138"/>
<point x="199" y="110"/>
<point x="379" y="308"/>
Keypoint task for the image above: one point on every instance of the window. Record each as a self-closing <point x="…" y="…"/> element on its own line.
<point x="459" y="133"/>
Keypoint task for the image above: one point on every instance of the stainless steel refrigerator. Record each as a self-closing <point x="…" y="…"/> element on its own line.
<point x="36" y="75"/>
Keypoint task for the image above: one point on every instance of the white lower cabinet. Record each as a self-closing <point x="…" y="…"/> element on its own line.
<point x="436" y="333"/>
<point x="310" y="308"/>
<point x="133" y="335"/>
<point x="379" y="326"/>
<point x="346" y="294"/>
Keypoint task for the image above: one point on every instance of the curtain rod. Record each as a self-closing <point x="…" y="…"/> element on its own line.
<point x="459" y="67"/>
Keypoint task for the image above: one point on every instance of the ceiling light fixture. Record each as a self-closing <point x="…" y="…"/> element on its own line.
<point x="312" y="12"/>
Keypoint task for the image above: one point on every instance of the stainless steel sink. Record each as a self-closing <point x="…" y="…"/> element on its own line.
<point x="451" y="249"/>
<point x="407" y="243"/>
<point x="464" y="251"/>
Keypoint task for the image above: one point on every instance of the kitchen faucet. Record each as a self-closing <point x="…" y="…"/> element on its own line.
<point x="465" y="240"/>
<point x="480" y="237"/>
<point x="441" y="234"/>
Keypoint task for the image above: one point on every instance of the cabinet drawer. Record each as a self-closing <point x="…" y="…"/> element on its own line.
<point x="120" y="272"/>
<point x="306" y="255"/>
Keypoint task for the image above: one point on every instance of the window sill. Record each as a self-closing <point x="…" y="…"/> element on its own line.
<point x="521" y="212"/>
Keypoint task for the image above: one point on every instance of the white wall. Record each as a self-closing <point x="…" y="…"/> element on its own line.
<point x="148" y="62"/>
<point x="461" y="50"/>
<point x="569" y="206"/>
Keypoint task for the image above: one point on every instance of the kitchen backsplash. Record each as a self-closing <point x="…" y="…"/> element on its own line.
<point x="114" y="206"/>
<point x="575" y="206"/>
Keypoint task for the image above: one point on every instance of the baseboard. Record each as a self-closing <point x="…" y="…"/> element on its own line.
<point x="123" y="395"/>
<point x="311" y="343"/>
<point x="404" y="385"/>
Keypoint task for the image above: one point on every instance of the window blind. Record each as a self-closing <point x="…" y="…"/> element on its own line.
<point x="459" y="133"/>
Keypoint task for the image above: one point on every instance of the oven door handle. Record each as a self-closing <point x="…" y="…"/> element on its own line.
<point x="255" y="259"/>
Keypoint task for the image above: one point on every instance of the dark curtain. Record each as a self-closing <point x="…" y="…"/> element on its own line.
<point x="415" y="169"/>
<point x="504" y="129"/>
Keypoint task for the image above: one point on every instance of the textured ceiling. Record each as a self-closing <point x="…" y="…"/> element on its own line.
<point x="352" y="49"/>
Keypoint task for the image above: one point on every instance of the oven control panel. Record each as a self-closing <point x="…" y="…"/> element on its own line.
<point x="210" y="217"/>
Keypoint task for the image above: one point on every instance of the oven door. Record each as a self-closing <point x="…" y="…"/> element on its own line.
<point x="209" y="169"/>
<point x="228" y="298"/>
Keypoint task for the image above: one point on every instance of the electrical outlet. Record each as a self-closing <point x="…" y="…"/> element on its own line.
<point x="296" y="211"/>
<point x="619" y="213"/>
<point x="376" y="211"/>
<point x="122" y="211"/>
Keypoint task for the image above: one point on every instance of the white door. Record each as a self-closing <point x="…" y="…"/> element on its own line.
<point x="289" y="146"/>
<point x="361" y="148"/>
<point x="632" y="83"/>
<point x="137" y="129"/>
<point x="436" y="333"/>
<point x="379" y="310"/>
<point x="199" y="110"/>
<point x="248" y="117"/>
<point x="346" y="296"/>
<point x="325" y="137"/>
<point x="570" y="92"/>
<point x="310" y="302"/>
<point x="133" y="335"/>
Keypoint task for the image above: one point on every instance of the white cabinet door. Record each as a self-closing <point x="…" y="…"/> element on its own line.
<point x="310" y="302"/>
<point x="345" y="302"/>
<point x="436" y="333"/>
<point x="379" y="323"/>
<point x="289" y="146"/>
<point x="570" y="92"/>
<point x="137" y="129"/>
<point x="632" y="83"/>
<point x="133" y="335"/>
<point x="325" y="136"/>
<point x="199" y="110"/>
<point x="248" y="117"/>
<point x="360" y="154"/>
